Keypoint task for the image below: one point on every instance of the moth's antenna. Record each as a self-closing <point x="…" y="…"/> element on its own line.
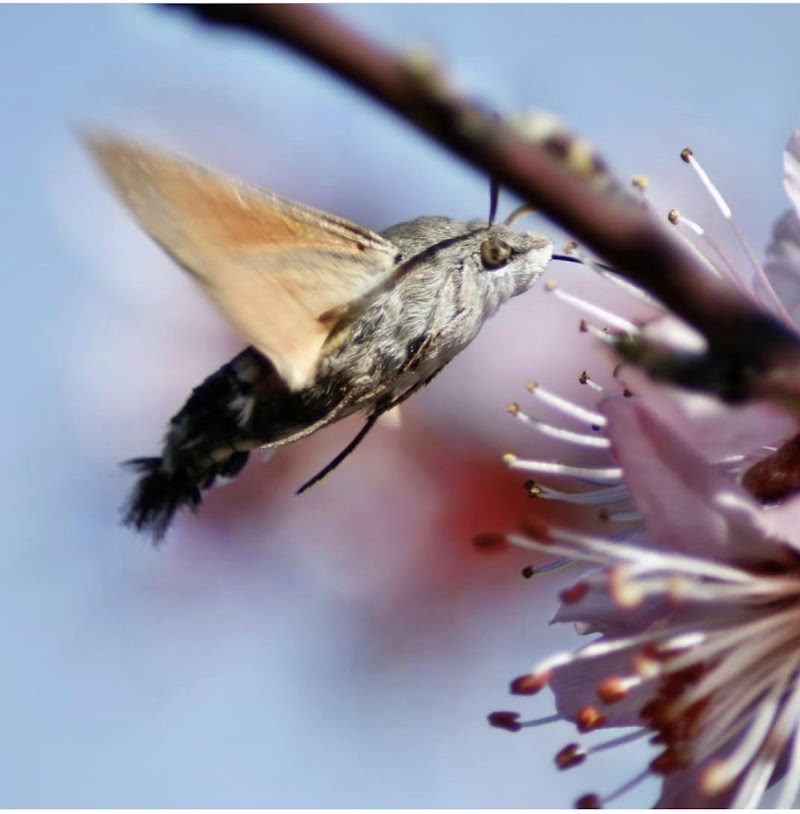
<point x="519" y="212"/>
<point x="494" y="194"/>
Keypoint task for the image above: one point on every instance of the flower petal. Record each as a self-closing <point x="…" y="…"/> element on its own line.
<point x="689" y="506"/>
<point x="791" y="164"/>
<point x="782" y="264"/>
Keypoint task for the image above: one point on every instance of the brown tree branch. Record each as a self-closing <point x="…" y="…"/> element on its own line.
<point x="751" y="354"/>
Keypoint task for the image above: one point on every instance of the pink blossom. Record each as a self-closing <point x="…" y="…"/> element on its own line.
<point x="695" y="606"/>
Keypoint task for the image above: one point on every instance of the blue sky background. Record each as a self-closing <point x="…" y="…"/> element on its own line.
<point x="293" y="654"/>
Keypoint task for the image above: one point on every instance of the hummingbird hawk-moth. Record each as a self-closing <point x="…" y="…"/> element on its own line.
<point x="339" y="319"/>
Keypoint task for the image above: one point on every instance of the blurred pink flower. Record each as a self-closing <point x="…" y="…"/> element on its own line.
<point x="697" y="600"/>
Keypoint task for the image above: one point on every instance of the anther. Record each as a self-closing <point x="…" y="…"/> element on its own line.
<point x="589" y="718"/>
<point x="673" y="216"/>
<point x="570" y="756"/>
<point x="532" y="488"/>
<point x="490" y="541"/>
<point x="505" y="720"/>
<point x="613" y="689"/>
<point x="531" y="683"/>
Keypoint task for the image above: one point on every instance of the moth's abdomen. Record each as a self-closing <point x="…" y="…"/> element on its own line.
<point x="245" y="404"/>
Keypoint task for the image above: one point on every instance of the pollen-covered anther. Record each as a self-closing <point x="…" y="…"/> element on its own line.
<point x="531" y="386"/>
<point x="531" y="683"/>
<point x="640" y="182"/>
<point x="570" y="246"/>
<point x="674" y="217"/>
<point x="613" y="689"/>
<point x="716" y="778"/>
<point x="624" y="591"/>
<point x="513" y="408"/>
<point x="644" y="665"/>
<point x="588" y="801"/>
<point x="551" y="285"/>
<point x="589" y="718"/>
<point x="573" y="595"/>
<point x="503" y="719"/>
<point x="571" y="755"/>
<point x="686" y="154"/>
<point x="677" y="589"/>
<point x="532" y="488"/>
<point x="510" y="458"/>
<point x="490" y="541"/>
<point x="672" y="759"/>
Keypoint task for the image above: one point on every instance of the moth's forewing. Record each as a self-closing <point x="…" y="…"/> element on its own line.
<point x="273" y="266"/>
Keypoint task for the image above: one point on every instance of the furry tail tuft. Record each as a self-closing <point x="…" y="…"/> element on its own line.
<point x="158" y="494"/>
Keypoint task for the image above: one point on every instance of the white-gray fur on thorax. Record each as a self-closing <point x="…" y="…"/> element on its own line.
<point x="432" y="306"/>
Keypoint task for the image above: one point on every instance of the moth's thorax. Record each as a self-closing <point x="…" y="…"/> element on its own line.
<point x="439" y="295"/>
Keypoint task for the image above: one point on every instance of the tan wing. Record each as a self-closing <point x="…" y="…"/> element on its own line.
<point x="274" y="267"/>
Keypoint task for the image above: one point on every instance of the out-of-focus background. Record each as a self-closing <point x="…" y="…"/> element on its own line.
<point x="340" y="649"/>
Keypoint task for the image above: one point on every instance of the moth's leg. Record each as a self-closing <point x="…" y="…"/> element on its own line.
<point x="362" y="434"/>
<point x="382" y="406"/>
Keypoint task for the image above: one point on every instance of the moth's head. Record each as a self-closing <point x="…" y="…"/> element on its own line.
<point x="499" y="256"/>
<point x="510" y="260"/>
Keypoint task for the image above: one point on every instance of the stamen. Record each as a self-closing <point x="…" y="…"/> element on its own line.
<point x="509" y="721"/>
<point x="732" y="269"/>
<point x="688" y="156"/>
<point x="629" y="287"/>
<point x="621" y="740"/>
<point x="625" y="788"/>
<point x="609" y="474"/>
<point x="675" y="218"/>
<point x="603" y="334"/>
<point x="721" y="774"/>
<point x="541" y="570"/>
<point x="650" y="559"/>
<point x="613" y="320"/>
<point x="789" y="722"/>
<point x="606" y="494"/>
<point x="581" y="439"/>
<point x="622" y="517"/>
<point x="586" y="379"/>
<point x="566" y="406"/>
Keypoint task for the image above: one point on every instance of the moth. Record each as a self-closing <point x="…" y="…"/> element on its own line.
<point x="339" y="319"/>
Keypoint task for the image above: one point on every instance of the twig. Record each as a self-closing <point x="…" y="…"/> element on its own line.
<point x="751" y="354"/>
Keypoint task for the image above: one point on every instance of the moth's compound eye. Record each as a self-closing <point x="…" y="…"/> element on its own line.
<point x="495" y="253"/>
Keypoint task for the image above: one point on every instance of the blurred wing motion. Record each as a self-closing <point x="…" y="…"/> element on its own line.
<point x="274" y="267"/>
